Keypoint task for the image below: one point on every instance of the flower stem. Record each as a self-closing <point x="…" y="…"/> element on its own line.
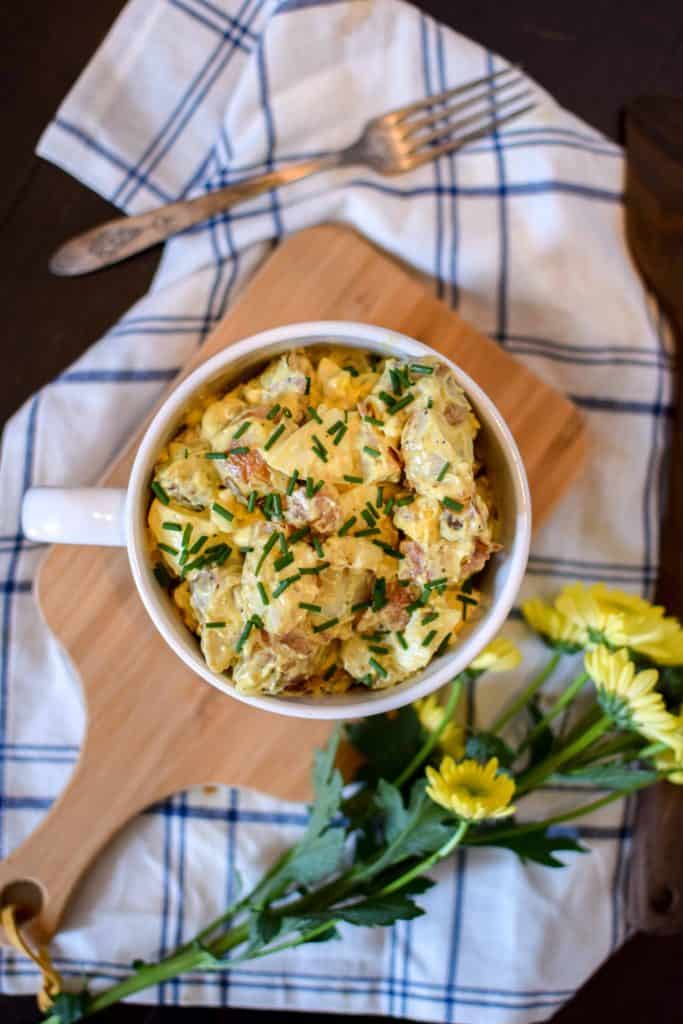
<point x="598" y="751"/>
<point x="562" y="701"/>
<point x="535" y="776"/>
<point x="653" y="749"/>
<point x="434" y="737"/>
<point x="428" y="862"/>
<point x="525" y="696"/>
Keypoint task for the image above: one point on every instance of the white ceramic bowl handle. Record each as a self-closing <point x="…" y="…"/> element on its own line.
<point x="77" y="515"/>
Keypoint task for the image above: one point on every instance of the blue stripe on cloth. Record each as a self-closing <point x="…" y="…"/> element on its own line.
<point x="650" y="491"/>
<point x="7" y="603"/>
<point x="113" y="158"/>
<point x="180" y="880"/>
<point x="598" y="403"/>
<point x="286" y="6"/>
<point x="529" y="188"/>
<point x="115" y="376"/>
<point x="269" y="125"/>
<point x="164" y="921"/>
<point x="230" y="33"/>
<point x="503" y="253"/>
<point x="607" y="355"/>
<point x="11" y="586"/>
<point x="436" y="166"/>
<point x="198" y="87"/>
<point x="220" y="12"/>
<point x="452" y="173"/>
<point x="231" y="887"/>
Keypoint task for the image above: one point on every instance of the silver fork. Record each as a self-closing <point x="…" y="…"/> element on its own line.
<point x="392" y="144"/>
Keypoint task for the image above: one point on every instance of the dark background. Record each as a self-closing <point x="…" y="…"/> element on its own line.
<point x="593" y="55"/>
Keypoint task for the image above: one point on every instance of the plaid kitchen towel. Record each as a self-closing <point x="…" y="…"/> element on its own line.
<point x="523" y="233"/>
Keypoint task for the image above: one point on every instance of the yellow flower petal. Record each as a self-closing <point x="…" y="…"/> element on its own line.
<point x="430" y="713"/>
<point x="500" y="655"/>
<point x="552" y="625"/>
<point x="667" y="760"/>
<point x="473" y="791"/>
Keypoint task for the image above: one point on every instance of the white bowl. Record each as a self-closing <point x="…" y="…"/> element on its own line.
<point x="92" y="516"/>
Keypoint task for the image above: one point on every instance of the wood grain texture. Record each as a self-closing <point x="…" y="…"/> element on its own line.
<point x="153" y="727"/>
<point x="654" y="228"/>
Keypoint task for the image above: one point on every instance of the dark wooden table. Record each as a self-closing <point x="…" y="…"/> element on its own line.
<point x="593" y="55"/>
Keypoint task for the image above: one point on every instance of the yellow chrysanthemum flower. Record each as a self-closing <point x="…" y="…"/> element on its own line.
<point x="613" y="617"/>
<point x="471" y="790"/>
<point x="430" y="713"/>
<point x="500" y="655"/>
<point x="629" y="697"/>
<point x="555" y="627"/>
<point x="667" y="760"/>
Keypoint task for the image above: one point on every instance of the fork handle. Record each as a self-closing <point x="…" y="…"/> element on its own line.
<point x="117" y="239"/>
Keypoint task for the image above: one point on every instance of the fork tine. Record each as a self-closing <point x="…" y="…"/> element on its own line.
<point x="400" y="113"/>
<point x="410" y="126"/>
<point x="449" y="128"/>
<point x="432" y="152"/>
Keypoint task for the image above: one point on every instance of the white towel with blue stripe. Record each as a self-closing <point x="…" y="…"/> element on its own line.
<point x="523" y="232"/>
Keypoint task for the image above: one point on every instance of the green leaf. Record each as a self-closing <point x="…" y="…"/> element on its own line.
<point x="536" y="846"/>
<point x="263" y="928"/>
<point x="388" y="744"/>
<point x="327" y="787"/>
<point x="315" y="859"/>
<point x="414" y="830"/>
<point x="379" y="911"/>
<point x="68" y="1007"/>
<point x="544" y="742"/>
<point x="613" y="776"/>
<point x="482" y="746"/>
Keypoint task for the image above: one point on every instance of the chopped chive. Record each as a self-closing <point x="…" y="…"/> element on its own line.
<point x="172" y="526"/>
<point x="421" y="368"/>
<point x="214" y="625"/>
<point x="402" y="640"/>
<point x="215" y="549"/>
<point x="283" y="561"/>
<point x="443" y="645"/>
<point x="298" y="534"/>
<point x="273" y="437"/>
<point x="310" y="607"/>
<point x="335" y="427"/>
<point x="330" y="671"/>
<point x="388" y="550"/>
<point x="389" y="507"/>
<point x="379" y="669"/>
<point x="388" y="399"/>
<point x="277" y="506"/>
<point x="241" y="449"/>
<point x="162" y="575"/>
<point x="430" y="617"/>
<point x="186" y="453"/>
<point x="268" y="506"/>
<point x="267" y="548"/>
<point x="168" y="549"/>
<point x="428" y="639"/>
<point x="245" y="551"/>
<point x="379" y="594"/>
<point x="467" y="600"/>
<point x="343" y="530"/>
<point x="160" y="493"/>
<point x="198" y="544"/>
<point x="408" y="499"/>
<point x="272" y="413"/>
<point x="318" y="547"/>
<point x="396" y="385"/>
<point x="467" y="586"/>
<point x="287" y="412"/>
<point x="187" y="533"/>
<point x="215" y="455"/>
<point x="403" y="583"/>
<point x="308" y="386"/>
<point x="375" y="422"/>
<point x="281" y="587"/>
<point x="353" y="479"/>
<point x="309" y="486"/>
<point x="351" y="369"/>
<point x="314" y="570"/>
<point x="251" y="501"/>
<point x="435" y="584"/>
<point x="292" y="483"/>
<point x="365" y="681"/>
<point x="320" y="484"/>
<point x="380" y="497"/>
<point x="371" y="510"/>
<point x="319" y="448"/>
<point x="402" y="403"/>
<point x="376" y="649"/>
<point x="257" y="620"/>
<point x="430" y="403"/>
<point x="263" y="592"/>
<point x="282" y="541"/>
<point x="244" y="636"/>
<point x="444" y="469"/>
<point x="419" y="602"/>
<point x="370" y="532"/>
<point x="360" y="606"/>
<point x="340" y="434"/>
<point x="455" y="506"/>
<point x="325" y="625"/>
<point x="222" y="511"/>
<point x="372" y="451"/>
<point x="242" y="430"/>
<point x="367" y="517"/>
<point x="313" y="414"/>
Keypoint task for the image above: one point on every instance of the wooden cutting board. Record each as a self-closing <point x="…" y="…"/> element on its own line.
<point x="153" y="727"/>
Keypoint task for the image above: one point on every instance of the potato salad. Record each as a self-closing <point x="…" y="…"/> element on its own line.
<point x="321" y="525"/>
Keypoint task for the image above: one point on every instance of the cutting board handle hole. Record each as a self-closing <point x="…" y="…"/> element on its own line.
<point x="26" y="895"/>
